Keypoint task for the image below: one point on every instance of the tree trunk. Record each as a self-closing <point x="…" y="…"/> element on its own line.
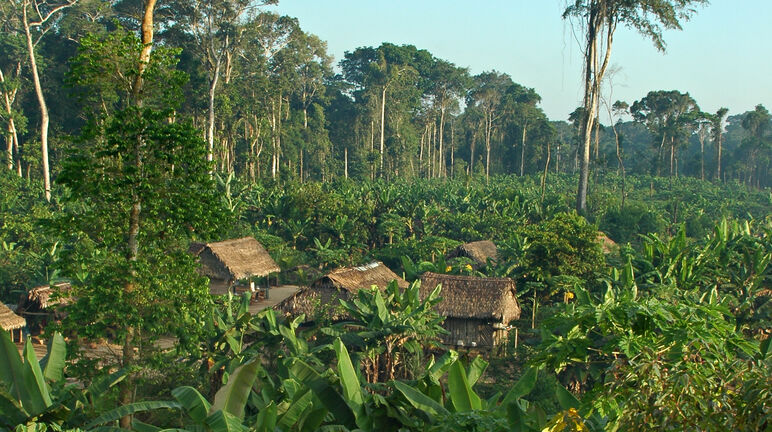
<point x="592" y="80"/>
<point x="128" y="386"/>
<point x="621" y="167"/>
<point x="718" y="157"/>
<point x="522" y="149"/>
<point x="213" y="80"/>
<point x="13" y="135"/>
<point x="383" y="128"/>
<point x="544" y="174"/>
<point x="441" y="154"/>
<point x="471" y="154"/>
<point x="44" y="119"/>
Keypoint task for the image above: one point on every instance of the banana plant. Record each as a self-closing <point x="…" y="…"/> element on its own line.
<point x="35" y="394"/>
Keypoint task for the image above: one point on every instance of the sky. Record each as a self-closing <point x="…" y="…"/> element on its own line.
<point x="723" y="57"/>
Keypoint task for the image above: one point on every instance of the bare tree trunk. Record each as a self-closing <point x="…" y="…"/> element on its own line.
<point x="593" y="77"/>
<point x="522" y="148"/>
<point x="471" y="153"/>
<point x="44" y="118"/>
<point x="718" y="156"/>
<point x="442" y="168"/>
<point x="213" y="80"/>
<point x="383" y="126"/>
<point x="13" y="135"/>
<point x="544" y="174"/>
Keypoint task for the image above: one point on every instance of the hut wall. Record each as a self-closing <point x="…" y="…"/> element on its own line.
<point x="218" y="286"/>
<point x="471" y="330"/>
<point x="211" y="266"/>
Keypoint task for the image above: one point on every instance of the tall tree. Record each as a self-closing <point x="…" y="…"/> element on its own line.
<point x="216" y="28"/>
<point x="717" y="131"/>
<point x="598" y="19"/>
<point x="757" y="124"/>
<point x="12" y="44"/>
<point x="525" y="114"/>
<point x="141" y="183"/>
<point x="447" y="85"/>
<point x="670" y="117"/>
<point x="37" y="18"/>
<point x="488" y="96"/>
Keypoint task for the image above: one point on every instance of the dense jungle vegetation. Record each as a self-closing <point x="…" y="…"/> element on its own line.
<point x="135" y="127"/>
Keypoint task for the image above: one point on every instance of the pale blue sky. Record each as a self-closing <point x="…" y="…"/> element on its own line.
<point x="722" y="58"/>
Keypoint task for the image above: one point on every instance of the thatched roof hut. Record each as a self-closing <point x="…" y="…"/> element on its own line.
<point x="352" y="279"/>
<point x="478" y="310"/>
<point x="9" y="320"/>
<point x="479" y="252"/>
<point x="228" y="261"/>
<point x="606" y="243"/>
<point x="42" y="297"/>
<point x="341" y="283"/>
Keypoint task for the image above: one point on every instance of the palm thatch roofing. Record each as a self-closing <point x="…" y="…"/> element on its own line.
<point x="234" y="259"/>
<point x="479" y="252"/>
<point x="9" y="320"/>
<point x="606" y="243"/>
<point x="352" y="279"/>
<point x="465" y="297"/>
<point x="42" y="297"/>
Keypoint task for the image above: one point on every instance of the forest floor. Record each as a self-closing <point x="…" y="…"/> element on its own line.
<point x="104" y="350"/>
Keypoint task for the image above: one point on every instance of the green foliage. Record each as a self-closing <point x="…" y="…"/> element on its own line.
<point x="565" y="245"/>
<point x="35" y="394"/>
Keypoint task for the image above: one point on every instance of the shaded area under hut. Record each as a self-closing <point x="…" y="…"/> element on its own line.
<point x="477" y="310"/>
<point x="227" y="262"/>
<point x="322" y="295"/>
<point x="12" y="323"/>
<point x="479" y="252"/>
<point x="43" y="304"/>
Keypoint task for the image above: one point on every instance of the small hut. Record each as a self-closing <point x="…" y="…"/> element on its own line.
<point x="11" y="323"/>
<point x="44" y="297"/>
<point x="477" y="310"/>
<point x="606" y="243"/>
<point x="42" y="304"/>
<point x="342" y="283"/>
<point x="479" y="252"/>
<point x="229" y="261"/>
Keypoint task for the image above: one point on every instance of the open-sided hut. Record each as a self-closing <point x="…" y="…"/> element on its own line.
<point x="41" y="304"/>
<point x="342" y="283"/>
<point x="228" y="261"/>
<point x="11" y="322"/>
<point x="42" y="297"/>
<point x="477" y="310"/>
<point x="479" y="252"/>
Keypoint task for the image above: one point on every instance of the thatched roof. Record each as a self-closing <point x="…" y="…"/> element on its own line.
<point x="466" y="297"/>
<point x="479" y="252"/>
<point x="41" y="297"/>
<point x="606" y="243"/>
<point x="352" y="279"/>
<point x="234" y="259"/>
<point x="9" y="320"/>
<point x="342" y="283"/>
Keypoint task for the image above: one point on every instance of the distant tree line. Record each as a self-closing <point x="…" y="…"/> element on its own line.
<point x="270" y="104"/>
